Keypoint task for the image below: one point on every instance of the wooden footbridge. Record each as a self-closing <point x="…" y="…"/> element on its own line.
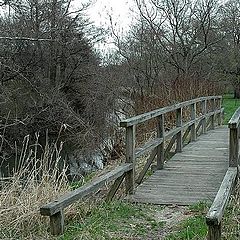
<point x="204" y="166"/>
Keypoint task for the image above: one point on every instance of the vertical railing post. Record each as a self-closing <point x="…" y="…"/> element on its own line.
<point x="179" y="134"/>
<point x="160" y="148"/>
<point x="193" y="118"/>
<point x="214" y="232"/>
<point x="204" y="112"/>
<point x="220" y="118"/>
<point x="212" y="110"/>
<point x="233" y="146"/>
<point x="130" y="158"/>
<point x="57" y="223"/>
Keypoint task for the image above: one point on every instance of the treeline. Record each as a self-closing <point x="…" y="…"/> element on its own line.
<point x="180" y="49"/>
<point x="53" y="82"/>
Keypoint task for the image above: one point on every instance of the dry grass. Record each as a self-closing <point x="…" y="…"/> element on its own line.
<point x="32" y="185"/>
<point x="231" y="223"/>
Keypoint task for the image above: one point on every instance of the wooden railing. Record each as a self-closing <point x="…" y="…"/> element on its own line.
<point x="208" y="112"/>
<point x="216" y="211"/>
<point x="55" y="210"/>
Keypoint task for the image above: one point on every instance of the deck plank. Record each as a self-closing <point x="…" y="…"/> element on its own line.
<point x="191" y="176"/>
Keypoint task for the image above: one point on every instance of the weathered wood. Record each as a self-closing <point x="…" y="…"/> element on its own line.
<point x="191" y="176"/>
<point x="198" y="127"/>
<point x="114" y="188"/>
<point x="179" y="139"/>
<point x="222" y="116"/>
<point x="146" y="166"/>
<point x="130" y="158"/>
<point x="235" y="119"/>
<point x="147" y="116"/>
<point x="169" y="146"/>
<point x="213" y="110"/>
<point x="160" y="148"/>
<point x="233" y="147"/>
<point x="176" y="130"/>
<point x="71" y="197"/>
<point x="208" y="125"/>
<point x="57" y="223"/>
<point x="216" y="211"/>
<point x="185" y="135"/>
<point x="204" y="111"/>
<point x="193" y="127"/>
<point x="214" y="232"/>
<point x="148" y="147"/>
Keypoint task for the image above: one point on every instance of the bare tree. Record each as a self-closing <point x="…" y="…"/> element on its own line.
<point x="229" y="56"/>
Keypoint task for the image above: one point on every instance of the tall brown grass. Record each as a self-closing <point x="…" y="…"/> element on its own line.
<point x="36" y="181"/>
<point x="231" y="221"/>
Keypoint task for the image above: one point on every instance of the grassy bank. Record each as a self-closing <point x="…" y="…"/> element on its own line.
<point x="230" y="106"/>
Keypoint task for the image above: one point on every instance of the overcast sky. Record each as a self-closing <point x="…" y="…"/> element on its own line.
<point x="120" y="11"/>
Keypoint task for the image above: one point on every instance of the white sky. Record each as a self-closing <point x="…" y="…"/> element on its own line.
<point x="120" y="11"/>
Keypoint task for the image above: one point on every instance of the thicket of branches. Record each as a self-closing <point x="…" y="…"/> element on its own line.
<point x="53" y="82"/>
<point x="181" y="49"/>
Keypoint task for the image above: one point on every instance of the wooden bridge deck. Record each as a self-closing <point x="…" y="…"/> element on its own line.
<point x="191" y="176"/>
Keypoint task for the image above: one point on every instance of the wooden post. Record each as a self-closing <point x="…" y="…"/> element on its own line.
<point x="220" y="114"/>
<point x="179" y="134"/>
<point x="214" y="232"/>
<point x="204" y="121"/>
<point x="130" y="158"/>
<point x="57" y="223"/>
<point x="233" y="147"/>
<point x="114" y="188"/>
<point x="160" y="148"/>
<point x="193" y="127"/>
<point x="212" y="110"/>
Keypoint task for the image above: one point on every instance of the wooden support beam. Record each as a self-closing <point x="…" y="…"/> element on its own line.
<point x="213" y="116"/>
<point x="169" y="147"/>
<point x="234" y="147"/>
<point x="130" y="158"/>
<point x="185" y="135"/>
<point x="193" y="118"/>
<point x="57" y="223"/>
<point x="179" y="134"/>
<point x="198" y="127"/>
<point x="160" y="148"/>
<point x="114" y="188"/>
<point x="204" y="121"/>
<point x="146" y="166"/>
<point x="148" y="147"/>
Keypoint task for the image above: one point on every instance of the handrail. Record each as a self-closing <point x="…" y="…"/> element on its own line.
<point x="157" y="145"/>
<point x="235" y="119"/>
<point x="216" y="211"/>
<point x="155" y="113"/>
<point x="234" y="128"/>
<point x="55" y="209"/>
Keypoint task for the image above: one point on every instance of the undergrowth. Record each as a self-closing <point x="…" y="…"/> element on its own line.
<point x="36" y="181"/>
